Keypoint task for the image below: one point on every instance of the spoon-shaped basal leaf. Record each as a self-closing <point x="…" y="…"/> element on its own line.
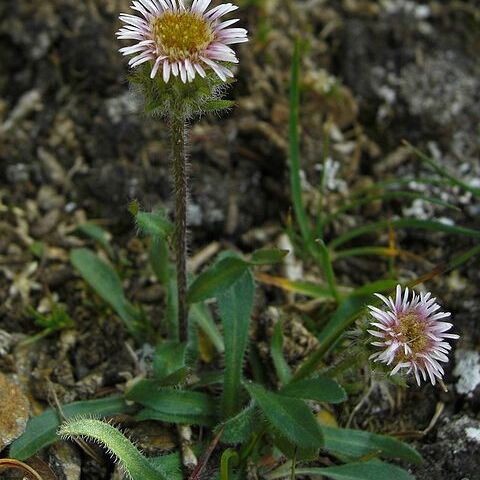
<point x="40" y="431"/>
<point x="235" y="306"/>
<point x="373" y="470"/>
<point x="225" y="272"/>
<point x="350" y="444"/>
<point x="320" y="389"/>
<point x="123" y="450"/>
<point x="107" y="284"/>
<point x="289" y="416"/>
<point x="173" y="405"/>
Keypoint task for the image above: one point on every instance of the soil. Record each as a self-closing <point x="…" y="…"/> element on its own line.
<point x="75" y="146"/>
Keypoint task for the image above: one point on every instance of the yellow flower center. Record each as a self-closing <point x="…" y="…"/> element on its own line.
<point x="412" y="330"/>
<point x="182" y="35"/>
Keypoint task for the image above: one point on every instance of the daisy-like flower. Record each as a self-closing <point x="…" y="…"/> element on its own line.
<point x="412" y="334"/>
<point x="179" y="40"/>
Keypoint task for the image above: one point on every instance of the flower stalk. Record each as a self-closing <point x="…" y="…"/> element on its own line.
<point x="180" y="174"/>
<point x="183" y="60"/>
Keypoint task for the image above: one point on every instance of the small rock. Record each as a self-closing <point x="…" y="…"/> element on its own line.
<point x="14" y="411"/>
<point x="48" y="199"/>
<point x="46" y="224"/>
<point x="453" y="454"/>
<point x="468" y="370"/>
<point x="65" y="461"/>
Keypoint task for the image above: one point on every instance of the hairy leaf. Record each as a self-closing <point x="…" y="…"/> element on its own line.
<point x="267" y="256"/>
<point x="154" y="223"/>
<point x="132" y="461"/>
<point x="40" y="431"/>
<point x="282" y="368"/>
<point x="355" y="444"/>
<point x="372" y="470"/>
<point x="235" y="306"/>
<point x="216" y="279"/>
<point x="105" y="281"/>
<point x="238" y="429"/>
<point x="169" y="358"/>
<point x="98" y="234"/>
<point x="289" y="416"/>
<point x="320" y="389"/>
<point x="173" y="405"/>
<point x="201" y="315"/>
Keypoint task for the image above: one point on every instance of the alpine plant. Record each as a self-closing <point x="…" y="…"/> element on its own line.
<point x="411" y="334"/>
<point x="179" y="40"/>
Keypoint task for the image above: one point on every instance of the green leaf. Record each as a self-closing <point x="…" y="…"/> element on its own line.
<point x="158" y="256"/>
<point x="216" y="279"/>
<point x="154" y="223"/>
<point x="368" y="250"/>
<point x="173" y="405"/>
<point x="229" y="459"/>
<point x="403" y="223"/>
<point x="98" y="234"/>
<point x="373" y="470"/>
<point x="169" y="358"/>
<point x="226" y="271"/>
<point x="320" y="389"/>
<point x="171" y="464"/>
<point x="238" y="429"/>
<point x="290" y="416"/>
<point x="268" y="256"/>
<point x="106" y="283"/>
<point x="282" y="368"/>
<point x="136" y="466"/>
<point x="171" y="312"/>
<point x="294" y="147"/>
<point x="217" y="105"/>
<point x="201" y="315"/>
<point x="41" y="430"/>
<point x="354" y="444"/>
<point x="235" y="306"/>
<point x="290" y="450"/>
<point x="396" y="182"/>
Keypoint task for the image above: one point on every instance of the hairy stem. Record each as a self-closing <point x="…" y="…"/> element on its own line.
<point x="178" y="134"/>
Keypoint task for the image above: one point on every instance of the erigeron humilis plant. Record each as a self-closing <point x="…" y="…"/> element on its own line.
<point x="266" y="425"/>
<point x="182" y="58"/>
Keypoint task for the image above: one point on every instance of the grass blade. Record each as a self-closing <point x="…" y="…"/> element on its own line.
<point x="443" y="172"/>
<point x="294" y="143"/>
<point x="282" y="368"/>
<point x="302" y="288"/>
<point x="387" y="196"/>
<point x="403" y="223"/>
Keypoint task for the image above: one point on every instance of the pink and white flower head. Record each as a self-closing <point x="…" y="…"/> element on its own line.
<point x="179" y="40"/>
<point x="411" y="334"/>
